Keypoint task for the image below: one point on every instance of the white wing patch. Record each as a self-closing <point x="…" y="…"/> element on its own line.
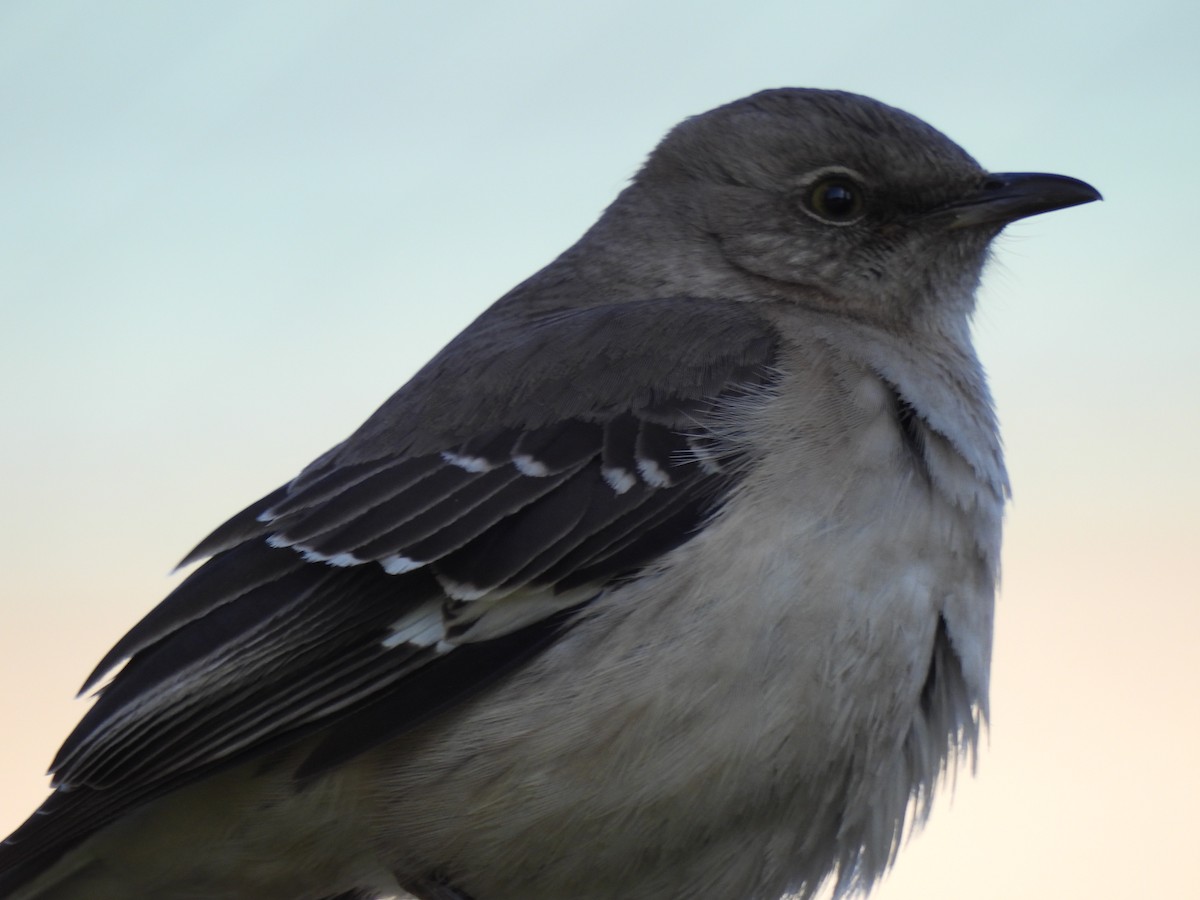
<point x="705" y="456"/>
<point x="398" y="565"/>
<point x="456" y="590"/>
<point x="338" y="560"/>
<point x="505" y="612"/>
<point x="469" y="463"/>
<point x="653" y="474"/>
<point x="527" y="465"/>
<point x="620" y="480"/>
<point x="422" y="627"/>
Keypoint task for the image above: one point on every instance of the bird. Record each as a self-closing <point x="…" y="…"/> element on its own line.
<point x="671" y="576"/>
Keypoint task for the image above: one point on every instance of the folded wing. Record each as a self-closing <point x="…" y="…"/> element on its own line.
<point x="378" y="588"/>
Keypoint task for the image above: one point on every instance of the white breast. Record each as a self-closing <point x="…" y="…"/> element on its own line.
<point x="751" y="717"/>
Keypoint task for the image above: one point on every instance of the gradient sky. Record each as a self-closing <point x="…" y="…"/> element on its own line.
<point x="229" y="230"/>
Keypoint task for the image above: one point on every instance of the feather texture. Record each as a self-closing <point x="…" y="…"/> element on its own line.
<point x="373" y="591"/>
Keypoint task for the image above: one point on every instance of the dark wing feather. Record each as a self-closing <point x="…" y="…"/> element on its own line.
<point x="359" y="593"/>
<point x="403" y="489"/>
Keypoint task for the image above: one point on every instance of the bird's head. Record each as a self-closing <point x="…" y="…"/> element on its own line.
<point x="841" y="201"/>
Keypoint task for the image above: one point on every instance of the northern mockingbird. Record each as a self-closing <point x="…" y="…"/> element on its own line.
<point x="670" y="577"/>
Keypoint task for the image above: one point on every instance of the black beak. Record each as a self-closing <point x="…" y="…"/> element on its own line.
<point x="1008" y="196"/>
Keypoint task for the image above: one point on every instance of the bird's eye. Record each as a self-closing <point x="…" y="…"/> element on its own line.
<point x="836" y="199"/>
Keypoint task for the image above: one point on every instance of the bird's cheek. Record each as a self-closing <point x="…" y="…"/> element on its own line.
<point x="775" y="255"/>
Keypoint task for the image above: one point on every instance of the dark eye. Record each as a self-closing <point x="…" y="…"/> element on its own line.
<point x="836" y="199"/>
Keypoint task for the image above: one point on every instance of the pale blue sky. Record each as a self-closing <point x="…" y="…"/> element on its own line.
<point x="229" y="230"/>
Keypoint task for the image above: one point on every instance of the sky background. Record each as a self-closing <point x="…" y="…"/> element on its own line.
<point x="229" y="230"/>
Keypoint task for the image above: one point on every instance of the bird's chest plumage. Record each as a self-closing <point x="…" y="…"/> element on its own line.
<point x="840" y="562"/>
<point x="729" y="723"/>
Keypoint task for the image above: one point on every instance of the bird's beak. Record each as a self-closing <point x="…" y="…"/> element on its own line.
<point x="1007" y="196"/>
